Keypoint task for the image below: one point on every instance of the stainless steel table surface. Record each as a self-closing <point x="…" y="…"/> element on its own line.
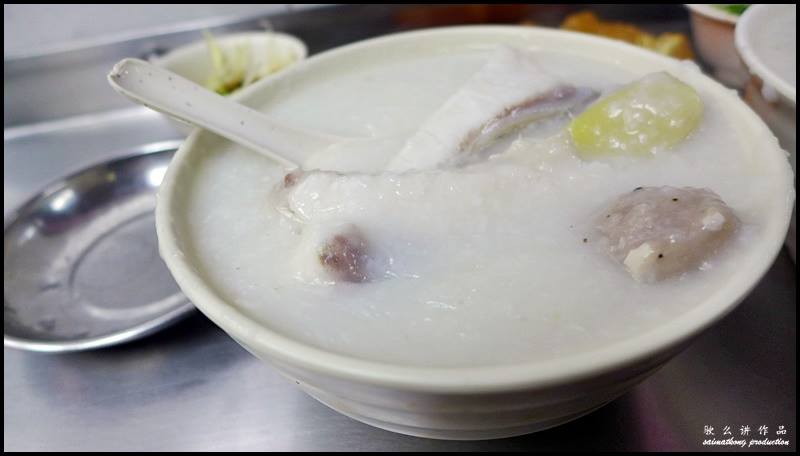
<point x="191" y="387"/>
<point x="194" y="388"/>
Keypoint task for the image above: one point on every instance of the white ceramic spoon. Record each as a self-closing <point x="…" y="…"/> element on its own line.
<point x="165" y="91"/>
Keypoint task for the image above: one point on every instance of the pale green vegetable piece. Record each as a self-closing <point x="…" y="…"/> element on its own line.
<point x="643" y="118"/>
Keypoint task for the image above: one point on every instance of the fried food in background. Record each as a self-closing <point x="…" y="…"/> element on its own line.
<point x="672" y="44"/>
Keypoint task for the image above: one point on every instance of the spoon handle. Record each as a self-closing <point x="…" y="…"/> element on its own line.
<point x="165" y="91"/>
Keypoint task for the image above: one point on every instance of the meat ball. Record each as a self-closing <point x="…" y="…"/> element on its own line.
<point x="660" y="232"/>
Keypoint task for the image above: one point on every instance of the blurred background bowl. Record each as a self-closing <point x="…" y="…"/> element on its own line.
<point x="712" y="32"/>
<point x="193" y="61"/>
<point x="772" y="93"/>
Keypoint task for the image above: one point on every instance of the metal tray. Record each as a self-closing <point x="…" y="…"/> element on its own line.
<point x="81" y="267"/>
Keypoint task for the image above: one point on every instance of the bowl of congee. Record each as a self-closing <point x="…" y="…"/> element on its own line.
<point x="523" y="224"/>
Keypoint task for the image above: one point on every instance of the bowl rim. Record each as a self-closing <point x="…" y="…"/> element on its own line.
<point x="744" y="45"/>
<point x="293" y="354"/>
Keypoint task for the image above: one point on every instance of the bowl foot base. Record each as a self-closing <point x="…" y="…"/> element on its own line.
<point x="460" y="434"/>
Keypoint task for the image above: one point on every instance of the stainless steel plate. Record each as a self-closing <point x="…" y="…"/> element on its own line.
<point x="80" y="260"/>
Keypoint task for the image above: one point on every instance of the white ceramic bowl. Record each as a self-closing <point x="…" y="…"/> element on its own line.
<point x="193" y="61"/>
<point x="770" y="94"/>
<point x="465" y="402"/>
<point x="712" y="32"/>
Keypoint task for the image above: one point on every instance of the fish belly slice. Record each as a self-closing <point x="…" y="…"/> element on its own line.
<point x="510" y="90"/>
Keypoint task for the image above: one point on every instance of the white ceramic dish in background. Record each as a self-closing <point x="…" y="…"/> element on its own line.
<point x="193" y="61"/>
<point x="466" y="402"/>
<point x="712" y="32"/>
<point x="772" y="95"/>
